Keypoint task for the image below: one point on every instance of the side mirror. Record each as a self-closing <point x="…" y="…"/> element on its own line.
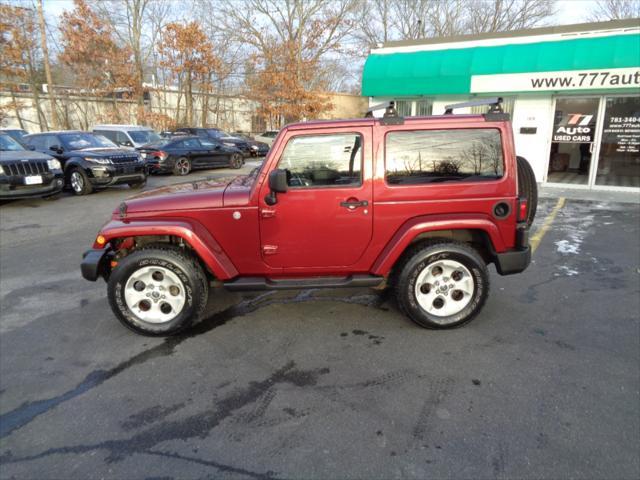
<point x="56" y="148"/>
<point x="277" y="184"/>
<point x="31" y="147"/>
<point x="126" y="143"/>
<point x="218" y="147"/>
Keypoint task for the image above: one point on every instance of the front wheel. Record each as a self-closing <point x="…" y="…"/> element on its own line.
<point x="80" y="182"/>
<point x="236" y="161"/>
<point x="158" y="291"/>
<point x="442" y="284"/>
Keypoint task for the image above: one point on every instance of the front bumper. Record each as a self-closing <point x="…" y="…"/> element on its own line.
<point x="13" y="187"/>
<point x="108" y="175"/>
<point x="518" y="259"/>
<point x="94" y="263"/>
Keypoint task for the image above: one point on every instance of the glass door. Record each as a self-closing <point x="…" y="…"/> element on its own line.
<point x="619" y="163"/>
<point x="572" y="143"/>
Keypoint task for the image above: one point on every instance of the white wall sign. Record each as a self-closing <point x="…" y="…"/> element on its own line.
<point x="610" y="78"/>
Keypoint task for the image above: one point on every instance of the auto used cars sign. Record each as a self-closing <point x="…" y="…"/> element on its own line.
<point x="574" y="128"/>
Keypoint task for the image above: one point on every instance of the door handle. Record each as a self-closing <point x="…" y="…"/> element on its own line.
<point x="353" y="204"/>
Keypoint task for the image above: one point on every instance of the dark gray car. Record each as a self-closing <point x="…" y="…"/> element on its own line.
<point x="24" y="173"/>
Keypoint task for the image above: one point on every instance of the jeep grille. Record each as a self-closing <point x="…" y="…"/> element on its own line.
<point x="32" y="167"/>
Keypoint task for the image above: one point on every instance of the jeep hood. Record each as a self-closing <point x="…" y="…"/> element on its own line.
<point x="194" y="195"/>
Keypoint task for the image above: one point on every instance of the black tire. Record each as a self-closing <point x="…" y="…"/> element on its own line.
<point x="236" y="161"/>
<point x="138" y="185"/>
<point x="527" y="187"/>
<point x="182" y="166"/>
<point x="79" y="182"/>
<point x="432" y="254"/>
<point x="184" y="265"/>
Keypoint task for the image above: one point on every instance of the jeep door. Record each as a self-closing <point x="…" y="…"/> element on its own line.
<point x="324" y="220"/>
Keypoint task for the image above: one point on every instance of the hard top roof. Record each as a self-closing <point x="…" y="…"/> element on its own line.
<point x="113" y="126"/>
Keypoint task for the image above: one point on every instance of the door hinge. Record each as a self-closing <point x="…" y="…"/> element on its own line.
<point x="269" y="249"/>
<point x="267" y="213"/>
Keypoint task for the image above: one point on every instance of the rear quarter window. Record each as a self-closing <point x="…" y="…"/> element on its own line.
<point x="438" y="156"/>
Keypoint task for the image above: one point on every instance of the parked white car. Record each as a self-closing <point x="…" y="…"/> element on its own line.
<point x="267" y="137"/>
<point x="134" y="136"/>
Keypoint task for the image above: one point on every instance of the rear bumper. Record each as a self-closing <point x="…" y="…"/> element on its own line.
<point x="514" y="261"/>
<point x="518" y="259"/>
<point x="94" y="263"/>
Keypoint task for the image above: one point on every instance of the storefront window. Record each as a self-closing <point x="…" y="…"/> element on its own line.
<point x="574" y="129"/>
<point x="619" y="163"/>
<point x="404" y="108"/>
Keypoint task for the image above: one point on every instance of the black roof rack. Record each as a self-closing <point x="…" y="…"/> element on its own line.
<point x="390" y="116"/>
<point x="495" y="113"/>
<point x="494" y="103"/>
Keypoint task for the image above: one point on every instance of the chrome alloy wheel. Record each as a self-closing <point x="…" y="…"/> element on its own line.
<point x="77" y="182"/>
<point x="154" y="294"/>
<point x="444" y="288"/>
<point x="182" y="165"/>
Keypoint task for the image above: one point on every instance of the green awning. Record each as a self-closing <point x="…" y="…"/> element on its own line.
<point x="437" y="72"/>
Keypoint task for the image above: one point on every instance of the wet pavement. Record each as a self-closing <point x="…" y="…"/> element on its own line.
<point x="545" y="383"/>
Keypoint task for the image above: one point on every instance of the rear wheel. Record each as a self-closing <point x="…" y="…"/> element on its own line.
<point x="527" y="188"/>
<point x="236" y="160"/>
<point x="158" y="291"/>
<point x="182" y="166"/>
<point x="80" y="182"/>
<point x="442" y="284"/>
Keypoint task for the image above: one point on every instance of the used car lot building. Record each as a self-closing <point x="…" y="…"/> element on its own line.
<point x="573" y="93"/>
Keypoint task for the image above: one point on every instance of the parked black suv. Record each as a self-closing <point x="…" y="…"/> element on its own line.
<point x="90" y="161"/>
<point x="219" y="136"/>
<point x="24" y="173"/>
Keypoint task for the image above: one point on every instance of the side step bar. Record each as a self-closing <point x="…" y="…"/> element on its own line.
<point x="263" y="283"/>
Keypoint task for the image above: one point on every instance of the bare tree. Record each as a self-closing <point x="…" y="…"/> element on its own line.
<point x="286" y="42"/>
<point x="47" y="66"/>
<point x="374" y="25"/>
<point x="503" y="15"/>
<point x="615" y="10"/>
<point x="137" y="24"/>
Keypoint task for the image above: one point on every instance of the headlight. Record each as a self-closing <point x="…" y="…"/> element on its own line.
<point x="54" y="164"/>
<point x="1" y="170"/>
<point x="229" y="144"/>
<point x="102" y="161"/>
<point x="254" y="147"/>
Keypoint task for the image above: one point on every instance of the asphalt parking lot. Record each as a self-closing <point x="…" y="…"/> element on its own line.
<point x="545" y="383"/>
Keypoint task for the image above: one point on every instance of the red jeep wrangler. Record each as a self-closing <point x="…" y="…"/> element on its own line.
<point x="423" y="204"/>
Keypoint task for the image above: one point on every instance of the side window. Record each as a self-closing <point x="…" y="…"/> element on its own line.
<point x="323" y="160"/>
<point x="50" y="141"/>
<point x="121" y="138"/>
<point x="35" y="142"/>
<point x="191" y="143"/>
<point x="207" y="143"/>
<point x="429" y="156"/>
<point x="106" y="133"/>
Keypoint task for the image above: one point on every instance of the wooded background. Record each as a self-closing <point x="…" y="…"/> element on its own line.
<point x="171" y="63"/>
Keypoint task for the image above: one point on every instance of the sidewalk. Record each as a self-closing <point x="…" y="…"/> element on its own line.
<point x="590" y="195"/>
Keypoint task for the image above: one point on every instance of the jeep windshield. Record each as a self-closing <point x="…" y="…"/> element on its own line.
<point x="8" y="144"/>
<point x="143" y="136"/>
<point x="83" y="141"/>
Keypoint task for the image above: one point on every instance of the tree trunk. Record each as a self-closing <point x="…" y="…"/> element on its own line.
<point x="189" y="100"/>
<point x="16" y="107"/>
<point x="47" y="67"/>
